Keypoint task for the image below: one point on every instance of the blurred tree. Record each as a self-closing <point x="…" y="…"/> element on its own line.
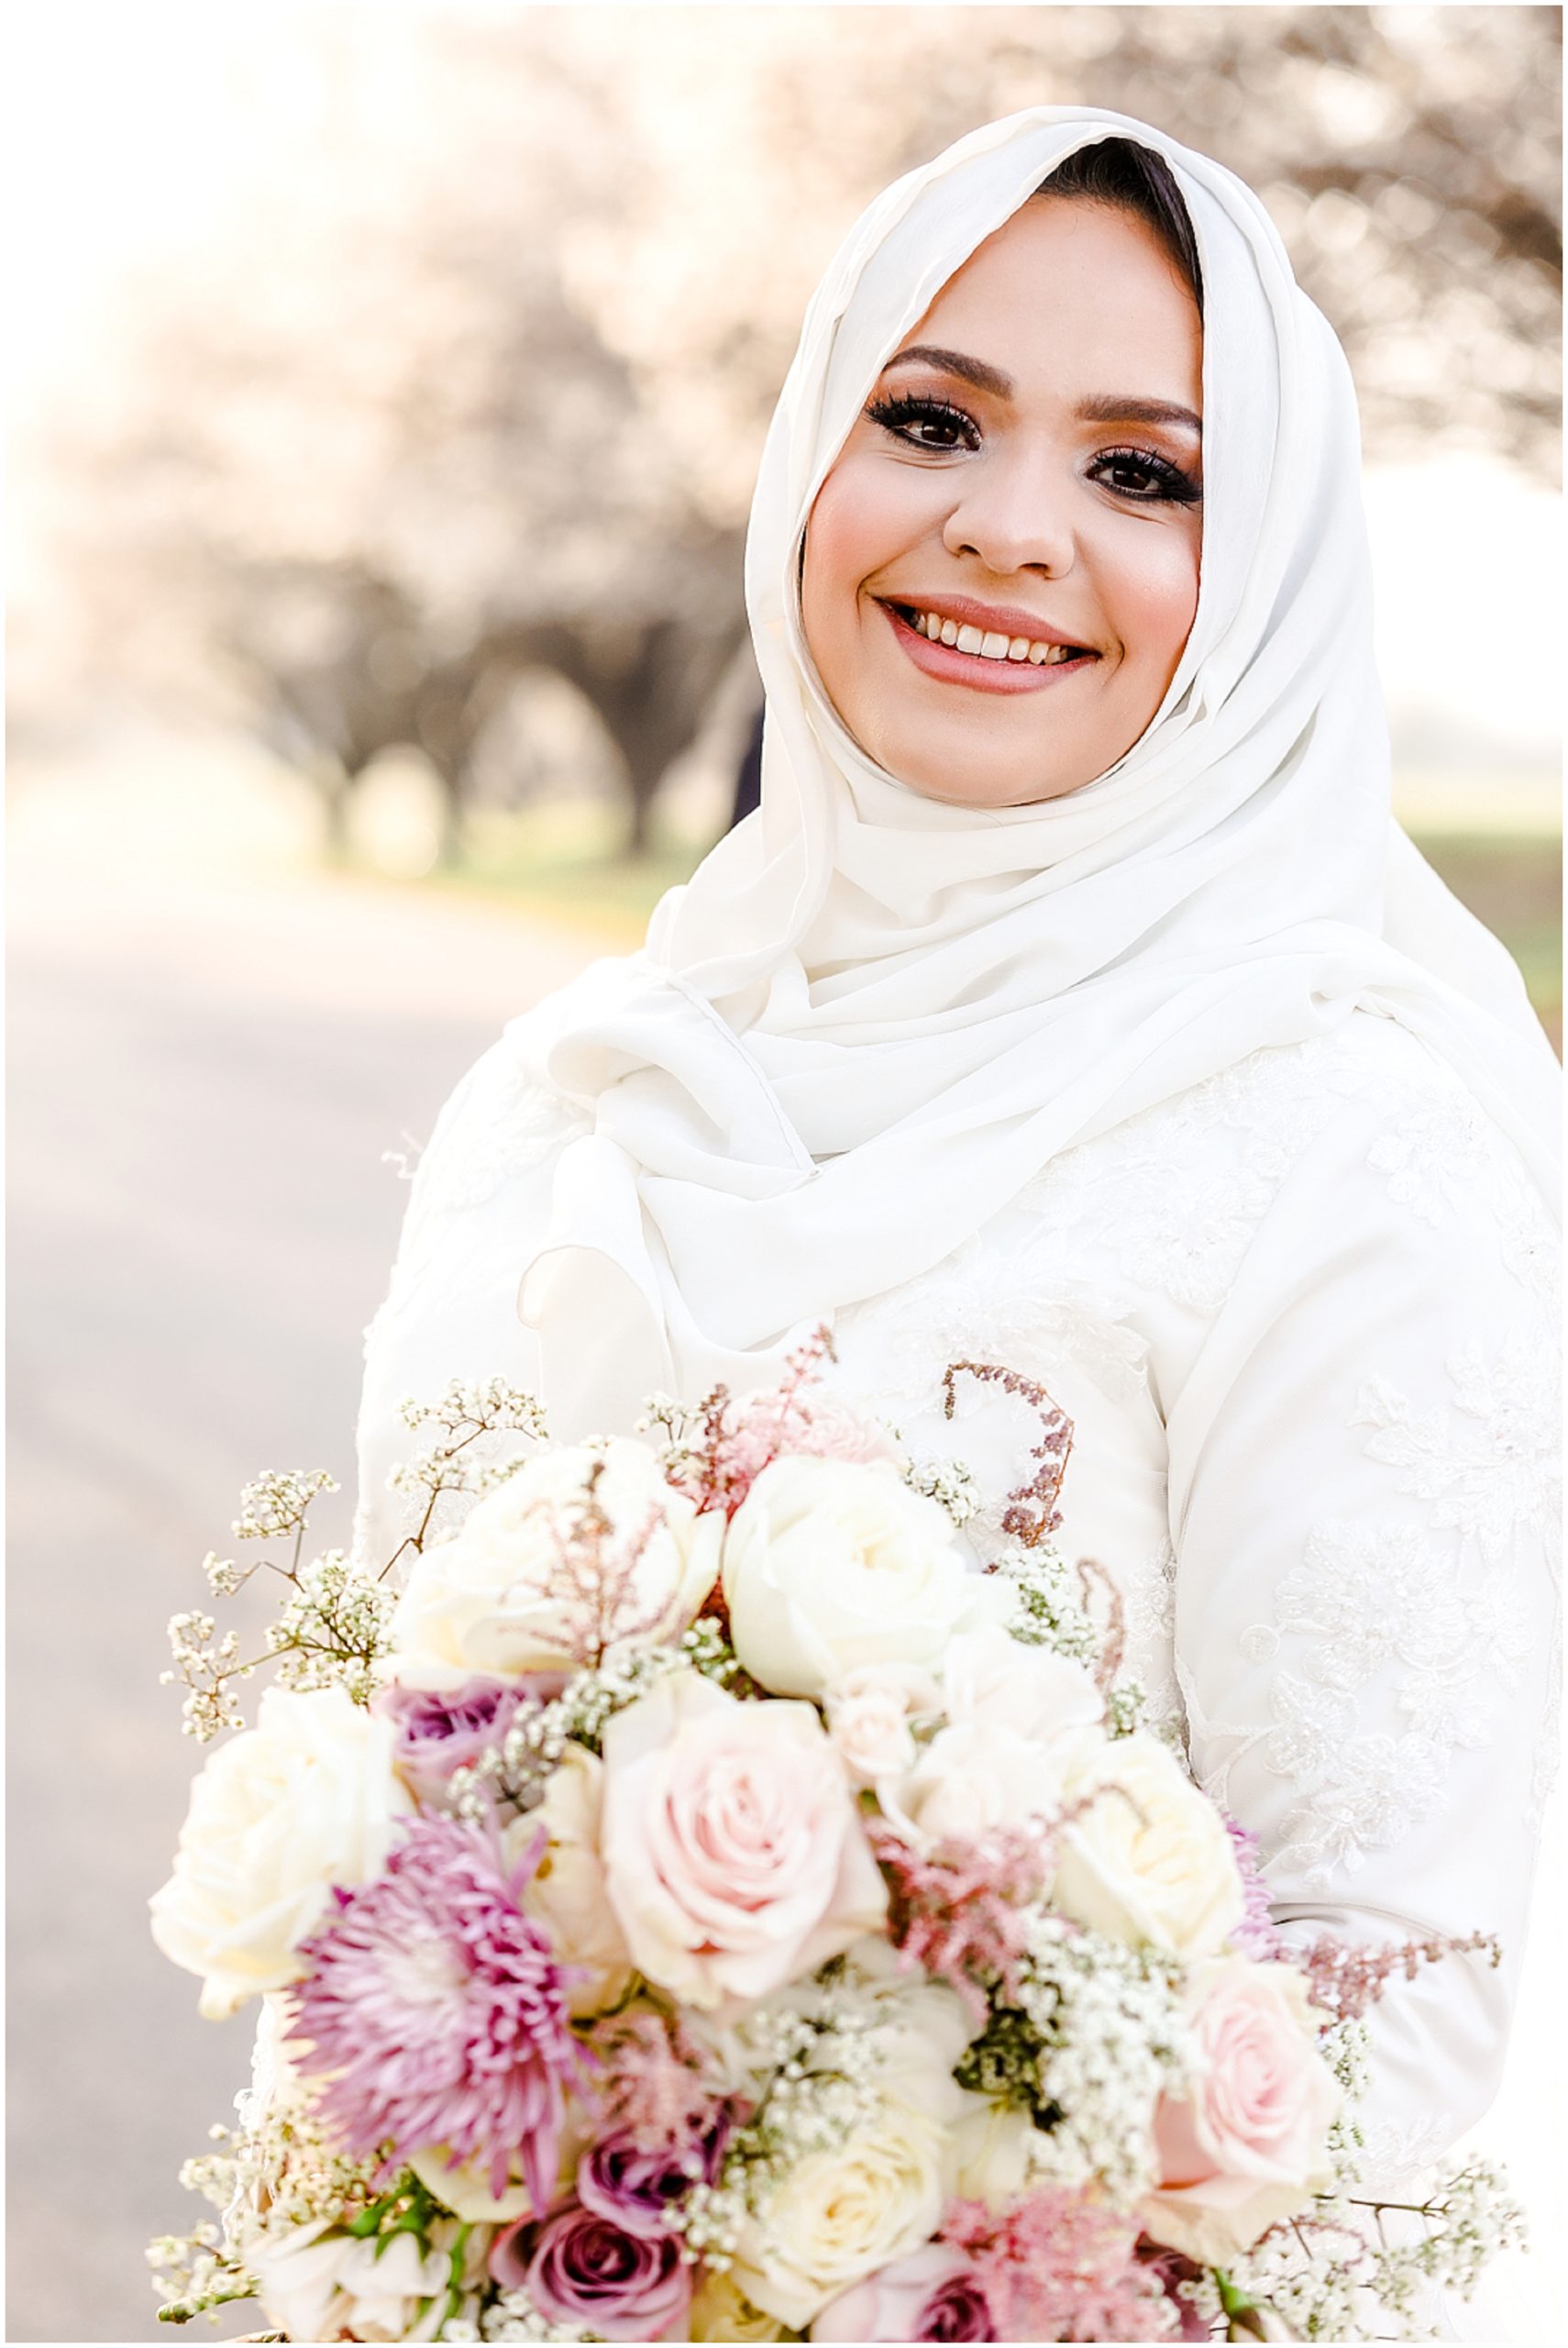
<point x="466" y="369"/>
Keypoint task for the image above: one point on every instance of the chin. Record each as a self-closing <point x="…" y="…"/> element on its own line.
<point x="962" y="780"/>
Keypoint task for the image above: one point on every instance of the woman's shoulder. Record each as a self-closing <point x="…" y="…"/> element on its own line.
<point x="1361" y="1125"/>
<point x="502" y="1118"/>
<point x="507" y="1116"/>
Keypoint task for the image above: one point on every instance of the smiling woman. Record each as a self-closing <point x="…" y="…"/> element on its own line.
<point x="1017" y="513"/>
<point x="1071" y="1007"/>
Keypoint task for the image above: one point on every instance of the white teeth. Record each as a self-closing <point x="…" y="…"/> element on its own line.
<point x="990" y="644"/>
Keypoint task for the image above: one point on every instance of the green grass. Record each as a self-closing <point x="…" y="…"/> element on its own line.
<point x="566" y="865"/>
<point x="1513" y="882"/>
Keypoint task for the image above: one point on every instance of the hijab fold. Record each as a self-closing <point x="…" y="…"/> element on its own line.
<point x="871" y="1018"/>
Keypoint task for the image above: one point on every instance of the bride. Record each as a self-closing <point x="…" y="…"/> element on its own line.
<point x="1071" y="1004"/>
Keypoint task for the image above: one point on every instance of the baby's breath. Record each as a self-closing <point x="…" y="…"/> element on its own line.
<point x="1468" y="2219"/>
<point x="333" y="1631"/>
<point x="468" y="1413"/>
<point x="485" y="1405"/>
<point x="1124" y="1705"/>
<point x="814" y="2058"/>
<point x="515" y="1770"/>
<point x="194" y="2275"/>
<point x="1050" y="1608"/>
<point x="948" y="1482"/>
<point x="1095" y="2038"/>
<point x="277" y="1502"/>
<point x="511" y="2315"/>
<point x="209" y="1666"/>
<point x="1345" y="2047"/>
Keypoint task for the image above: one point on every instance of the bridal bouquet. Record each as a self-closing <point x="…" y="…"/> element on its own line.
<point x="690" y="1902"/>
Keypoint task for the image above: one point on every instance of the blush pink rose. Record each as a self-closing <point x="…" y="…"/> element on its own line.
<point x="733" y="1854"/>
<point x="1249" y="2146"/>
<point x="933" y="2294"/>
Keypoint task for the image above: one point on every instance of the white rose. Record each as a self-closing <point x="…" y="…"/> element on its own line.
<point x="839" y="2214"/>
<point x="465" y="2189"/>
<point x="972" y="1780"/>
<point x="567" y="1894"/>
<point x="318" y="2283"/>
<point x="829" y="1564"/>
<point x="995" y="2145"/>
<point x="495" y="1599"/>
<point x="720" y="2310"/>
<point x="870" y="1714"/>
<point x="285" y="1810"/>
<point x="989" y="1676"/>
<point x="914" y="2030"/>
<point x="1149" y="1860"/>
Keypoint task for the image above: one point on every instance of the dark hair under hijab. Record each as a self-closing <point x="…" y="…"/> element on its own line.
<point x="1134" y="179"/>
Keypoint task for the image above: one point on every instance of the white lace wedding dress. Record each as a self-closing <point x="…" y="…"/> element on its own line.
<point x="1303" y="1321"/>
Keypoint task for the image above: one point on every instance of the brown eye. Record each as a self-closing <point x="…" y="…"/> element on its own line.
<point x="926" y="423"/>
<point x="1145" y="476"/>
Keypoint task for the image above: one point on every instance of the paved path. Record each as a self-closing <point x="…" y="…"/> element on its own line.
<point x="207" y="1065"/>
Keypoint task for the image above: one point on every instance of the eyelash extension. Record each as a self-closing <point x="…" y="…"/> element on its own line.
<point x="1176" y="487"/>
<point x="898" y="410"/>
<point x="896" y="413"/>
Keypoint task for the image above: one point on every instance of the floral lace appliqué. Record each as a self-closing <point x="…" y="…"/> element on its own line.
<point x="1488" y="1467"/>
<point x="1178" y="1193"/>
<point x="1381" y="1602"/>
<point x="1431" y="1150"/>
<point x="509" y="1120"/>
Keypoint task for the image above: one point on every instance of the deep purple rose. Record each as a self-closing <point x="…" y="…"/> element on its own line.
<point x="586" y="2270"/>
<point x="956" y="2309"/>
<point x="633" y="2189"/>
<point x="438" y="1732"/>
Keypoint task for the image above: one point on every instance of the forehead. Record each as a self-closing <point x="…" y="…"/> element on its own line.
<point x="1067" y="291"/>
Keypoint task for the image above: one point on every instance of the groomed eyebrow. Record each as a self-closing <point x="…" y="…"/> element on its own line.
<point x="1107" y="407"/>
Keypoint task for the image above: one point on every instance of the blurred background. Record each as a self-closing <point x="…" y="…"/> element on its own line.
<point x="387" y="387"/>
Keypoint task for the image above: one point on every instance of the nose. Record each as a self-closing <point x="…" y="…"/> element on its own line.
<point x="1014" y="515"/>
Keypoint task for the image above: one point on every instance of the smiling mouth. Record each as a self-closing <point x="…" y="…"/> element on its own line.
<point x="966" y="654"/>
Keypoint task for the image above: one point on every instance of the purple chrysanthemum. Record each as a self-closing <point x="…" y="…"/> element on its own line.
<point x="434" y="2009"/>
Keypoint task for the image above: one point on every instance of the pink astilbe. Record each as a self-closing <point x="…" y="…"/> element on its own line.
<point x="960" y="1912"/>
<point x="739" y="1437"/>
<point x="1057" y="2265"/>
<point x="594" y="1585"/>
<point x="1256" y="1934"/>
<point x="652" y="2084"/>
<point x="434" y="2011"/>
<point x="1344" y="1980"/>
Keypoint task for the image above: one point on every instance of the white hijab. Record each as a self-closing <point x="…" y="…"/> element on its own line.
<point x="871" y="1018"/>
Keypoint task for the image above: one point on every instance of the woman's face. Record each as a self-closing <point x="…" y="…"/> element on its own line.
<point x="1027" y="471"/>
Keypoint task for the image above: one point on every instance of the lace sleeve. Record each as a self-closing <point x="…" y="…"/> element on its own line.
<point x="1362" y="1502"/>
